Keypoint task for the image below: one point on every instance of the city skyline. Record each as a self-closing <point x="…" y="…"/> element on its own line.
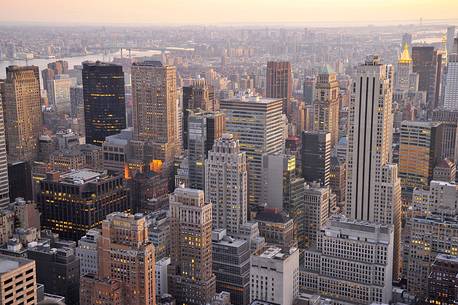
<point x="329" y="12"/>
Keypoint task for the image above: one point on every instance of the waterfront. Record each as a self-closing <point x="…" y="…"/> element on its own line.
<point x="72" y="61"/>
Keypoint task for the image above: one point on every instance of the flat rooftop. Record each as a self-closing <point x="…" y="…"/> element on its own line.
<point x="10" y="263"/>
<point x="80" y="176"/>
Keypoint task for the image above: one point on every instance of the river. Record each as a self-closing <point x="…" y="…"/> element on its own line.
<point x="72" y="61"/>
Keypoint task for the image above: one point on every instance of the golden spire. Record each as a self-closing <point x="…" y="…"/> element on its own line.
<point x="405" y="56"/>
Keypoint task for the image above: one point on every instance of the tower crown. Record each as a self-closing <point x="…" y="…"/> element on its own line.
<point x="405" y="55"/>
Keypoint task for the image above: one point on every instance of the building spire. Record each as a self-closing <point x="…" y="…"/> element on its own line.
<point x="405" y="55"/>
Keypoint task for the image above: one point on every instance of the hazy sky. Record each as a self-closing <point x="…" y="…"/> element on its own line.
<point x="224" y="11"/>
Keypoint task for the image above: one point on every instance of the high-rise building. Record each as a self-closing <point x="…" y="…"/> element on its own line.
<point x="87" y="252"/>
<point x="162" y="279"/>
<point x="231" y="265"/>
<point x="449" y="120"/>
<point x="439" y="198"/>
<point x="373" y="187"/>
<point x="21" y="101"/>
<point x="445" y="170"/>
<point x="59" y="95"/>
<point x="18" y="281"/>
<point x="4" y="168"/>
<point x="191" y="279"/>
<point x="226" y="184"/>
<point x="283" y="189"/>
<point x="127" y="256"/>
<point x="351" y="262"/>
<point x="49" y="74"/>
<point x="274" y="275"/>
<point x="94" y="290"/>
<point x="425" y="238"/>
<point x="203" y="129"/>
<point x="279" y="82"/>
<point x="104" y="101"/>
<point x="200" y="95"/>
<point x="450" y="39"/>
<point x="326" y="103"/>
<point x="77" y="102"/>
<point x="309" y="90"/>
<point x="451" y="83"/>
<point x="338" y="179"/>
<point x="316" y="156"/>
<point x="419" y="151"/>
<point x="443" y="280"/>
<point x="404" y="70"/>
<point x="57" y="268"/>
<point x="316" y="211"/>
<point x="20" y="179"/>
<point x="154" y="102"/>
<point x="259" y="126"/>
<point x="427" y="63"/>
<point x="74" y="202"/>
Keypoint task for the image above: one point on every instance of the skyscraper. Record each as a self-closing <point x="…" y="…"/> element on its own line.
<point x="126" y="263"/>
<point x="203" y="129"/>
<point x="104" y="101"/>
<point x="316" y="211"/>
<point x="308" y="89"/>
<point x="279" y="82"/>
<point x="451" y="83"/>
<point x="23" y="120"/>
<point x="373" y="186"/>
<point x="200" y="95"/>
<point x="420" y="149"/>
<point x="231" y="265"/>
<point x="404" y="70"/>
<point x="259" y="126"/>
<point x="126" y="255"/>
<point x="316" y="156"/>
<point x="326" y="103"/>
<point x="427" y="63"/>
<point x="226" y="184"/>
<point x="4" y="181"/>
<point x="450" y="37"/>
<point x="154" y="107"/>
<point x="191" y="279"/>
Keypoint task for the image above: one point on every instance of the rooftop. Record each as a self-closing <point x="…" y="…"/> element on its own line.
<point x="273" y="215"/>
<point x="276" y="253"/>
<point x="81" y="176"/>
<point x="10" y="263"/>
<point x="447" y="257"/>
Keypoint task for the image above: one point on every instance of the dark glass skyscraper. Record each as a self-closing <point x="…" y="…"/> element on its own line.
<point x="104" y="101"/>
<point x="427" y="63"/>
<point x="316" y="157"/>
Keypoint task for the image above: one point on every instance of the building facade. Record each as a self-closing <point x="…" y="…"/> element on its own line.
<point x="350" y="263"/>
<point x="226" y="184"/>
<point x="74" y="202"/>
<point x="326" y="104"/>
<point x="21" y="101"/>
<point x="258" y="125"/>
<point x="373" y="186"/>
<point x="191" y="279"/>
<point x="104" y="101"/>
